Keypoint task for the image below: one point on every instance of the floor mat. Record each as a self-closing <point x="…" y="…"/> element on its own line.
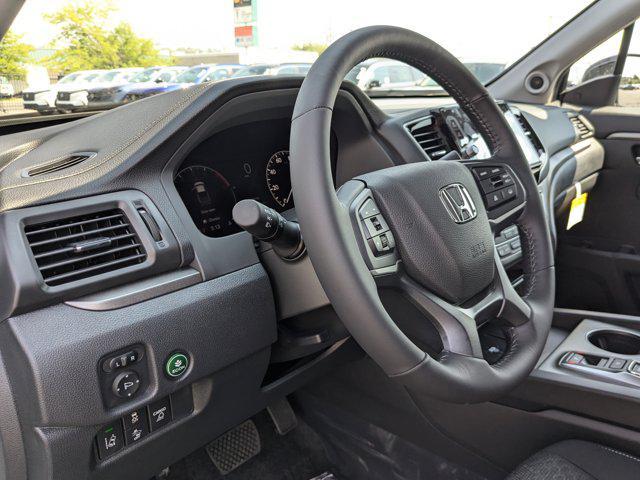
<point x="362" y="451"/>
<point x="299" y="455"/>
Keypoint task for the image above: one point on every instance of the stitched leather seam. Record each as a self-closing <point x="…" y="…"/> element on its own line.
<point x="119" y="149"/>
<point x="319" y="107"/>
<point x="626" y="455"/>
<point x="433" y="71"/>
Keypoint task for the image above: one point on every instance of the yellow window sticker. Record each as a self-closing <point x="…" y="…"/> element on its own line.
<point x="576" y="213"/>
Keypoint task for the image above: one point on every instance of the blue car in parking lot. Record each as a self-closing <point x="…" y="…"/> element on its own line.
<point x="192" y="76"/>
<point x="103" y="97"/>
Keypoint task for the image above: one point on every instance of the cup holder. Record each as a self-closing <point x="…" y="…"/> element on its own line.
<point x="616" y="342"/>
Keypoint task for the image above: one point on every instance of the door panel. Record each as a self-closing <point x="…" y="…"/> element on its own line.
<point x="599" y="258"/>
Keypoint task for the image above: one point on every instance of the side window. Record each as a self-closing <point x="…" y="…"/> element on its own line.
<point x="599" y="62"/>
<point x="619" y="55"/>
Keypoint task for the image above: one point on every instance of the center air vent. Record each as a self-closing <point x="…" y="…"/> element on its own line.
<point x="80" y="247"/>
<point x="581" y="128"/>
<point x="529" y="132"/>
<point x="425" y="132"/>
<point x="59" y="164"/>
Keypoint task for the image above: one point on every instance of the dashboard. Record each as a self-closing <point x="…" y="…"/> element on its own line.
<point x="249" y="161"/>
<point x="170" y="272"/>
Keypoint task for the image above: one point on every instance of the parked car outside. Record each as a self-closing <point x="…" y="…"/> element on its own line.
<point x="104" y="97"/>
<point x="192" y="76"/>
<point x="377" y="75"/>
<point x="6" y="89"/>
<point x="74" y="97"/>
<point x="43" y="99"/>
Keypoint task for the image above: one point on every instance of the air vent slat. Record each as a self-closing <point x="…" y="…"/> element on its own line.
<point x="426" y="134"/>
<point x="77" y="235"/>
<point x="79" y="247"/>
<point x="84" y="271"/>
<point x="582" y="130"/>
<point x="71" y="261"/>
<point x="75" y="224"/>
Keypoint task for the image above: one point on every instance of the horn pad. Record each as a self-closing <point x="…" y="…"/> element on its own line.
<point x="440" y="225"/>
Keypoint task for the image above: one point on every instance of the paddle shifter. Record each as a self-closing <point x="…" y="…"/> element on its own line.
<point x="267" y="225"/>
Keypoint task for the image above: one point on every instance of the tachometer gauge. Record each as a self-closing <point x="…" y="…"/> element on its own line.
<point x="209" y="198"/>
<point x="279" y="178"/>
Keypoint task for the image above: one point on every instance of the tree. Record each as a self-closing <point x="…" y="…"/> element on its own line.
<point x="311" y="47"/>
<point x="84" y="42"/>
<point x="13" y="54"/>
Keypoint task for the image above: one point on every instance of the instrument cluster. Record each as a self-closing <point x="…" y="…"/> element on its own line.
<point x="247" y="161"/>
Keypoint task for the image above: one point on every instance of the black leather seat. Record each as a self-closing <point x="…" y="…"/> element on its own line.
<point x="578" y="460"/>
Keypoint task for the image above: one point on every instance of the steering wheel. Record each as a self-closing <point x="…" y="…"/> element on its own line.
<point x="438" y="246"/>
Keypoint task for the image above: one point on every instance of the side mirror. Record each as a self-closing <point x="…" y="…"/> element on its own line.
<point x="374" y="84"/>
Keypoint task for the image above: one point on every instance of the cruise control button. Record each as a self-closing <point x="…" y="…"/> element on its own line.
<point x="160" y="413"/>
<point x="508" y="193"/>
<point x="504" y="250"/>
<point x="376" y="225"/>
<point x="368" y="209"/>
<point x="136" y="425"/>
<point x="110" y="440"/>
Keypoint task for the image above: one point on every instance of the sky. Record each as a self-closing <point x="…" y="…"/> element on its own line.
<point x="487" y="30"/>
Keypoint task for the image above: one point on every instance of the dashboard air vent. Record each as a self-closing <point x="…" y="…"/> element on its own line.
<point x="59" y="164"/>
<point x="80" y="247"/>
<point x="530" y="133"/>
<point x="425" y="132"/>
<point x="581" y="128"/>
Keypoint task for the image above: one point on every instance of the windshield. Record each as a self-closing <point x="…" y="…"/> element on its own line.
<point x="60" y="39"/>
<point x="144" y="76"/>
<point x="191" y="75"/>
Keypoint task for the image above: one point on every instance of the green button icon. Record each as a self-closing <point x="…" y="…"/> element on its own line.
<point x="176" y="365"/>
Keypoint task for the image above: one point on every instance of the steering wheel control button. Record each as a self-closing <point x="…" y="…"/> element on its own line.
<point x="376" y="225"/>
<point x="176" y="365"/>
<point x="382" y="244"/>
<point x="110" y="440"/>
<point x="126" y="384"/>
<point x="160" y="413"/>
<point x="136" y="426"/>
<point x="369" y="209"/>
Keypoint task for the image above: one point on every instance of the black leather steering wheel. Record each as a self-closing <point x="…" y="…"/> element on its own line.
<point x="444" y="260"/>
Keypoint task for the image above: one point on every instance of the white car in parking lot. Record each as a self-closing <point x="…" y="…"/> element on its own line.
<point x="43" y="99"/>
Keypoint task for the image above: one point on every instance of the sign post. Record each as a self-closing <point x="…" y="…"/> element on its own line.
<point x="245" y="15"/>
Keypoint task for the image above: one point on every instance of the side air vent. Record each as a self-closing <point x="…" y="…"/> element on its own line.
<point x="425" y="132"/>
<point x="80" y="247"/>
<point x="59" y="164"/>
<point x="530" y="133"/>
<point x="581" y="128"/>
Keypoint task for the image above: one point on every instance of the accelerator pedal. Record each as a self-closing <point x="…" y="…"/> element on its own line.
<point x="235" y="447"/>
<point x="282" y="416"/>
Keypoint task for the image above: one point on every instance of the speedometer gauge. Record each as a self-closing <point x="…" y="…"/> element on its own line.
<point x="279" y="178"/>
<point x="209" y="198"/>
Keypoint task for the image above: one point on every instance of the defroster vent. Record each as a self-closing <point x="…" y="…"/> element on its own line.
<point x="83" y="246"/>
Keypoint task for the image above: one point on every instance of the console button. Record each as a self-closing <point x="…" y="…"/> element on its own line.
<point x="160" y="413"/>
<point x="574" y="359"/>
<point x="110" y="440"/>
<point x="176" y="365"/>
<point x="126" y="384"/>
<point x="617" y="364"/>
<point x="136" y="425"/>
